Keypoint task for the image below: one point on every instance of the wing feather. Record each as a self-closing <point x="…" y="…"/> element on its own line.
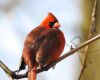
<point x="48" y="45"/>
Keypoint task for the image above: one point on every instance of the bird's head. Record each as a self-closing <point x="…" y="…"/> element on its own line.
<point x="50" y="22"/>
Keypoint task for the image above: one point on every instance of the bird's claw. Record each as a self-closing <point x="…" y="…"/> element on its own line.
<point x="53" y="67"/>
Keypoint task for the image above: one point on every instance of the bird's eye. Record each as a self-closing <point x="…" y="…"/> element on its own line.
<point x="51" y="24"/>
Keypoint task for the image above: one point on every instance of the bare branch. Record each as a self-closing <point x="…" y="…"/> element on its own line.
<point x="6" y="69"/>
<point x="47" y="67"/>
<point x="91" y="33"/>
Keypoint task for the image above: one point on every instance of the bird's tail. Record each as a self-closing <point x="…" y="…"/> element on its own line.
<point x="32" y="73"/>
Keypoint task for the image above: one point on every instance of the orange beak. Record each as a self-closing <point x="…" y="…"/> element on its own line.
<point x="56" y="25"/>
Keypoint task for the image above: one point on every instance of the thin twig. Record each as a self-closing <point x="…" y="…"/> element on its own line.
<point x="47" y="67"/>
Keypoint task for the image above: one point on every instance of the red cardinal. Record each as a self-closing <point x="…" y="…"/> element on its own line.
<point x="43" y="45"/>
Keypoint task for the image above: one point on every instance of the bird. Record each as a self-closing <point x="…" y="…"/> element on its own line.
<point x="43" y="45"/>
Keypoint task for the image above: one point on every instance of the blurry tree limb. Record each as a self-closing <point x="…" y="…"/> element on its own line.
<point x="91" y="33"/>
<point x="47" y="67"/>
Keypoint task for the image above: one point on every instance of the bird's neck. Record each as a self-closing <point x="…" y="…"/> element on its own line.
<point x="45" y="26"/>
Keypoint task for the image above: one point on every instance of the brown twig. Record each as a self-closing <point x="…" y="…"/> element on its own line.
<point x="47" y="67"/>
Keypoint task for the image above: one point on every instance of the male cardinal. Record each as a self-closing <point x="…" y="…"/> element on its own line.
<point x="43" y="45"/>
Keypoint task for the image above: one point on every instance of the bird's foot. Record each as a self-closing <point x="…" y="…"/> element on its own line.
<point x="40" y="66"/>
<point x="54" y="66"/>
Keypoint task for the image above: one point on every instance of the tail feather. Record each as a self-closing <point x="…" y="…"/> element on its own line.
<point x="32" y="73"/>
<point x="22" y="64"/>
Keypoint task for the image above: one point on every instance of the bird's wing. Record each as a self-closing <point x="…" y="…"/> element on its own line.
<point x="29" y="40"/>
<point x="48" y="45"/>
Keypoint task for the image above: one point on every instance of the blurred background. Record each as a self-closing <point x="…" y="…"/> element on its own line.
<point x="19" y="17"/>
